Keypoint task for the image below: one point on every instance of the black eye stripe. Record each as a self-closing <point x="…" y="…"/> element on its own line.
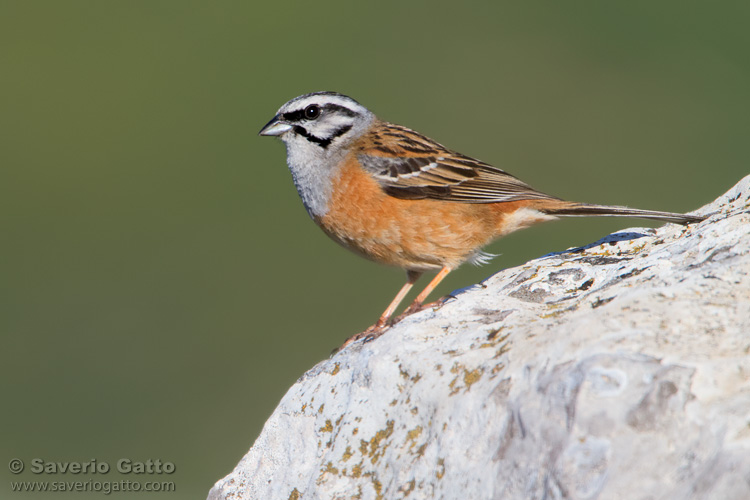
<point x="299" y="115"/>
<point x="320" y="141"/>
<point x="294" y="116"/>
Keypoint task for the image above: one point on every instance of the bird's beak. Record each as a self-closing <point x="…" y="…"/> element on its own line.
<point x="275" y="127"/>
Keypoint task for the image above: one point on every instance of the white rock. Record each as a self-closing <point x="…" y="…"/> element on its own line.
<point x="620" y="370"/>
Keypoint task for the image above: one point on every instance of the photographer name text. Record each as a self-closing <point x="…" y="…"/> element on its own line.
<point x="93" y="466"/>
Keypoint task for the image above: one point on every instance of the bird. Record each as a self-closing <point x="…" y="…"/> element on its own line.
<point x="397" y="197"/>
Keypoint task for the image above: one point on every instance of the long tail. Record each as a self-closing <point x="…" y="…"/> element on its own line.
<point x="585" y="209"/>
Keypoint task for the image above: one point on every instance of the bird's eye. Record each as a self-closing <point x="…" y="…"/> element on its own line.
<point x="312" y="111"/>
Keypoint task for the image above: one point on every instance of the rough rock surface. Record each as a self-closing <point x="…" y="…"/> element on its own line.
<point x="620" y="370"/>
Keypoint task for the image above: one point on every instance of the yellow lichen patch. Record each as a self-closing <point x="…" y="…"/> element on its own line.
<point x="336" y="369"/>
<point x="328" y="469"/>
<point x="358" y="496"/>
<point x="338" y="420"/>
<point x="412" y="436"/>
<point x="295" y="494"/>
<point x="471" y="377"/>
<point x="394" y="402"/>
<point x="440" y="471"/>
<point x="408" y="488"/>
<point x="420" y="450"/>
<point x="497" y="368"/>
<point x="502" y="350"/>
<point x="501" y="338"/>
<point x="320" y="410"/>
<point x="454" y="369"/>
<point x="637" y="248"/>
<point x="357" y="470"/>
<point x="355" y="431"/>
<point x="378" y="488"/>
<point x="453" y="387"/>
<point x="327" y="428"/>
<point x="414" y="410"/>
<point x="468" y="378"/>
<point x="347" y="454"/>
<point x="304" y="405"/>
<point x="553" y="313"/>
<point x="373" y="448"/>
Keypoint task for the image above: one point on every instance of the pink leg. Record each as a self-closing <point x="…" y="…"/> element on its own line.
<point x="378" y="328"/>
<point x="417" y="304"/>
<point x="411" y="278"/>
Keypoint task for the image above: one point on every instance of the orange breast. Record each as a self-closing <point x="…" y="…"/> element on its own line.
<point x="411" y="234"/>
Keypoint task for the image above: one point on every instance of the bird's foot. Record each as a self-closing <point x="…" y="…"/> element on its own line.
<point x="416" y="307"/>
<point x="382" y="325"/>
<point x="368" y="335"/>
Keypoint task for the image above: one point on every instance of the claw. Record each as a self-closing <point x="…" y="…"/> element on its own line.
<point x="368" y="335"/>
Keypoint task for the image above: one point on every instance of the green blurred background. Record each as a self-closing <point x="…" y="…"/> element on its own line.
<point x="161" y="285"/>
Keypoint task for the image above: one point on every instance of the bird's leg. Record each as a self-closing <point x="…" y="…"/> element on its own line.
<point x="378" y="328"/>
<point x="417" y="305"/>
<point x="411" y="278"/>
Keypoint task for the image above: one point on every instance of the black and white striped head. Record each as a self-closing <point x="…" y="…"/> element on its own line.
<point x="320" y="119"/>
<point x="317" y="128"/>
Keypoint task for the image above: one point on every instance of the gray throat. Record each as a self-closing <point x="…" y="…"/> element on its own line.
<point x="313" y="173"/>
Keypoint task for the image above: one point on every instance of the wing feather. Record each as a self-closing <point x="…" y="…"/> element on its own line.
<point x="410" y="166"/>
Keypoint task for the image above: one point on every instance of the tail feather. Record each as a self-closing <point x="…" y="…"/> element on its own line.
<point x="585" y="209"/>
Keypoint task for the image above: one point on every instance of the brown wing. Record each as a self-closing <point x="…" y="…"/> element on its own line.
<point x="411" y="166"/>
